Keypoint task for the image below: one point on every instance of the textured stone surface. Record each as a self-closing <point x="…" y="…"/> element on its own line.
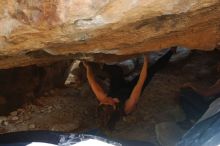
<point x="39" y="31"/>
<point x="22" y="84"/>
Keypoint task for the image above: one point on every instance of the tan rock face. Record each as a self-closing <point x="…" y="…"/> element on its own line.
<point x="44" y="31"/>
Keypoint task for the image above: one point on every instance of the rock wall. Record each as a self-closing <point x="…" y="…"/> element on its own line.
<point x="22" y="84"/>
<point x="45" y="31"/>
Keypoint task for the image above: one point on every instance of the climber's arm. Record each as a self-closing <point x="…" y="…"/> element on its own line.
<point x="97" y="89"/>
<point x="136" y="92"/>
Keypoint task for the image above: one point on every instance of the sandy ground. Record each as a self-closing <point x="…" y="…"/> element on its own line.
<point x="67" y="110"/>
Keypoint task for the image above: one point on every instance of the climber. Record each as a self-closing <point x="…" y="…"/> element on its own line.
<point x="126" y="96"/>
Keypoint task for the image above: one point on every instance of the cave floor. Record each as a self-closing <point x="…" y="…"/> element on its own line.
<point x="65" y="110"/>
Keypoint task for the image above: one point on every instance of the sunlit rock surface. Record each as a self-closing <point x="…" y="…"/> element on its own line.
<point x="45" y="31"/>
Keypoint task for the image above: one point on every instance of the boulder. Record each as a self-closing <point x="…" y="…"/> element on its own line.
<point x="22" y="84"/>
<point x="45" y="31"/>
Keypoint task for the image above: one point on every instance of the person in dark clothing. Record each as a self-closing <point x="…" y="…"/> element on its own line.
<point x="201" y="107"/>
<point x="123" y="95"/>
<point x="196" y="101"/>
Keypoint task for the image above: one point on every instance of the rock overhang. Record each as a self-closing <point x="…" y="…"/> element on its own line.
<point x="38" y="32"/>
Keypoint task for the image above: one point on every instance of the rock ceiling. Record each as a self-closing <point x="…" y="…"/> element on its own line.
<point x="44" y="31"/>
